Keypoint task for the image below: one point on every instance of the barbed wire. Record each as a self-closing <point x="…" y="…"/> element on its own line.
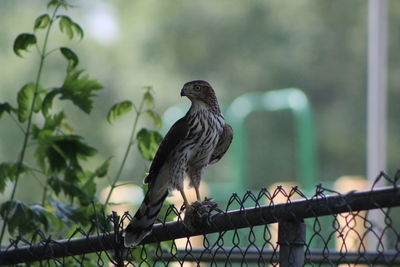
<point x="255" y="229"/>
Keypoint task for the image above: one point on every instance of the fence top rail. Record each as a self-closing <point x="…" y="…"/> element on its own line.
<point x="319" y="205"/>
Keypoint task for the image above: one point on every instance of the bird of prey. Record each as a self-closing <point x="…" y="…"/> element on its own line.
<point x="198" y="139"/>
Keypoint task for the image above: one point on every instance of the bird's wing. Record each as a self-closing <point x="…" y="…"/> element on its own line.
<point x="224" y="142"/>
<point x="175" y="135"/>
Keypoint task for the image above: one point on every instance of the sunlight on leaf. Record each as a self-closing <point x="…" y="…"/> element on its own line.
<point x="66" y="26"/>
<point x="42" y="22"/>
<point x="148" y="143"/>
<point x="118" y="110"/>
<point x="79" y="89"/>
<point x="69" y="27"/>
<point x="38" y="104"/>
<point x="24" y="99"/>
<point x="52" y="122"/>
<point x="48" y="101"/>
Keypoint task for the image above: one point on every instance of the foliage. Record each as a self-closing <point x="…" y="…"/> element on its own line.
<point x="61" y="153"/>
<point x="146" y="139"/>
<point x="148" y="142"/>
<point x="118" y="110"/>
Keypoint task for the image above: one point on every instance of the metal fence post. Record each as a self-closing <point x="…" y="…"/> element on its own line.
<point x="291" y="240"/>
<point x="119" y="248"/>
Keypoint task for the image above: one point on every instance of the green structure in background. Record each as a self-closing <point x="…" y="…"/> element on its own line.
<point x="292" y="99"/>
<point x="284" y="99"/>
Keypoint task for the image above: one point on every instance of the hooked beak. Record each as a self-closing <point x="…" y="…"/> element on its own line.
<point x="183" y="92"/>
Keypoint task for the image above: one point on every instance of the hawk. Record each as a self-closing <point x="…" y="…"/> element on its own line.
<point x="198" y="139"/>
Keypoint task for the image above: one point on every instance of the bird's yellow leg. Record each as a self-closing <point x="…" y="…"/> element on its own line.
<point x="185" y="201"/>
<point x="197" y="193"/>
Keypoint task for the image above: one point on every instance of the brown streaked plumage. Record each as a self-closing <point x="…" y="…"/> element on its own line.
<point x="198" y="139"/>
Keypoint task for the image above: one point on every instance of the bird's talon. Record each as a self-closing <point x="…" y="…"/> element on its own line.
<point x="196" y="204"/>
<point x="184" y="207"/>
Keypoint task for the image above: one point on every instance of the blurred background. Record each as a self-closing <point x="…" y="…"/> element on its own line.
<point x="238" y="46"/>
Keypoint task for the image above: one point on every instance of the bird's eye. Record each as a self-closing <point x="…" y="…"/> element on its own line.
<point x="197" y="88"/>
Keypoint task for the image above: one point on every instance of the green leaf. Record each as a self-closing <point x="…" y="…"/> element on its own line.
<point x="89" y="189"/>
<point x="118" y="110"/>
<point x="16" y="214"/>
<point x="79" y="90"/>
<point x="103" y="169"/>
<point x="148" y="143"/>
<point x="155" y="117"/>
<point x="69" y="27"/>
<point x="66" y="150"/>
<point x="39" y="215"/>
<point x="53" y="122"/>
<point x="71" y="57"/>
<point x="44" y="138"/>
<point x="8" y="171"/>
<point x="5" y="107"/>
<point x="55" y="3"/>
<point x="23" y="41"/>
<point x="74" y="148"/>
<point x="66" y="26"/>
<point x="148" y="99"/>
<point x="22" y="217"/>
<point x="67" y="128"/>
<point x="73" y="173"/>
<point x="48" y="101"/>
<point x="68" y="212"/>
<point x="35" y="131"/>
<point x="62" y="152"/>
<point x="38" y="104"/>
<point x="42" y="22"/>
<point x="70" y="189"/>
<point x="24" y="99"/>
<point x="56" y="184"/>
<point x="78" y="29"/>
<point x="55" y="222"/>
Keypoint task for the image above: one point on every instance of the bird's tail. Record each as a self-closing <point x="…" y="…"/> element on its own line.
<point x="143" y="221"/>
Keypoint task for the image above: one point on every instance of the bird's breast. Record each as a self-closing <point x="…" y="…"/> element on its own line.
<point x="203" y="137"/>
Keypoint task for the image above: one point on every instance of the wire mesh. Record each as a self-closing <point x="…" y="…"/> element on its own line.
<point x="338" y="230"/>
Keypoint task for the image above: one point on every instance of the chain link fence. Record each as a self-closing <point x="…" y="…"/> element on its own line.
<point x="268" y="228"/>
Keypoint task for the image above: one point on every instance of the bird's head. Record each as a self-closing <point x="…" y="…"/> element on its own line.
<point x="199" y="91"/>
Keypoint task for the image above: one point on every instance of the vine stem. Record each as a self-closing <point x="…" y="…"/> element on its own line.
<point x="45" y="188"/>
<point x="131" y="142"/>
<point x="29" y="124"/>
